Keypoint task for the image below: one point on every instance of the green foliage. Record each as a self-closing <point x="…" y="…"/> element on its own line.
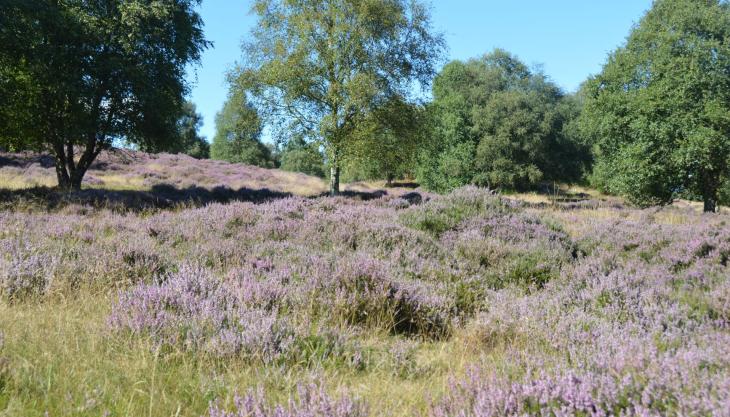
<point x="238" y="132"/>
<point x="300" y="156"/>
<point x="659" y="111"/>
<point x="387" y="142"/>
<point x="324" y="68"/>
<point x="82" y="75"/>
<point x="497" y="123"/>
<point x="439" y="217"/>
<point x="188" y="141"/>
<point x="724" y="193"/>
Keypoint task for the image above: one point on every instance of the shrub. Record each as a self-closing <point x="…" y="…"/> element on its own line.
<point x="439" y="216"/>
<point x="26" y="271"/>
<point x="193" y="310"/>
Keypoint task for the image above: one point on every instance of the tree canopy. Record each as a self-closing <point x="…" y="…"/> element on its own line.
<point x="188" y="141"/>
<point x="388" y="142"/>
<point x="499" y="124"/>
<point x="299" y="156"/>
<point x="238" y="134"/>
<point x="659" y="112"/>
<point x="321" y="68"/>
<point x="77" y="76"/>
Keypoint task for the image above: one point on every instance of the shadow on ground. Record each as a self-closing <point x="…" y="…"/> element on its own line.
<point x="162" y="196"/>
<point x="358" y="195"/>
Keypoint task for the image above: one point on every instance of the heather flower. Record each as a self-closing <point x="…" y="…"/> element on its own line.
<point x="26" y="271"/>
<point x="311" y="401"/>
<point x="194" y="310"/>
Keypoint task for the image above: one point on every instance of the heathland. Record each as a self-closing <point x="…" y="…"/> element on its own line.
<point x="174" y="287"/>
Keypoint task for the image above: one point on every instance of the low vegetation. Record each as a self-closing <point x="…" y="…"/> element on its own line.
<point x="466" y="304"/>
<point x="160" y="179"/>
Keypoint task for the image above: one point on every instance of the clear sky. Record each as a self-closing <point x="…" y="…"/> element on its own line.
<point x="569" y="38"/>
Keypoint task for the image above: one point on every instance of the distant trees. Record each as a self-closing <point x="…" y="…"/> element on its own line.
<point x="496" y="123"/>
<point x="187" y="140"/>
<point x="388" y="143"/>
<point x="238" y="134"/>
<point x="75" y="76"/>
<point x="297" y="155"/>
<point x="659" y="112"/>
<point x="322" y="68"/>
<point x="339" y="80"/>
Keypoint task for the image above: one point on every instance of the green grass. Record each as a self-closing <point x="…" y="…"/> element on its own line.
<point x="61" y="359"/>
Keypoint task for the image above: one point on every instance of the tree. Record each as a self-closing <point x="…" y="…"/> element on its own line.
<point x="299" y="156"/>
<point x="659" y="112"/>
<point x="80" y="75"/>
<point x="238" y="132"/>
<point x="499" y="124"/>
<point x="388" y="142"/>
<point x="321" y="68"/>
<point x="187" y="140"/>
<point x="573" y="149"/>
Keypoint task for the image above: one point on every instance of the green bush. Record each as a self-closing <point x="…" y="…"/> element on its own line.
<point x="299" y="156"/>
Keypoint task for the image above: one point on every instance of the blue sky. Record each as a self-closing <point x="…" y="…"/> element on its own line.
<point x="569" y="38"/>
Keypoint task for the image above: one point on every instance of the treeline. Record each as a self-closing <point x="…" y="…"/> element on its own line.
<point x="492" y="122"/>
<point x="653" y="126"/>
<point x="350" y="90"/>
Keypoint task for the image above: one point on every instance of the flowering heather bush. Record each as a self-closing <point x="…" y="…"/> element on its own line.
<point x="125" y="169"/>
<point x="588" y="394"/>
<point x="326" y="260"/>
<point x="196" y="311"/>
<point x="25" y="271"/>
<point x="445" y="214"/>
<point x="511" y="249"/>
<point x="312" y="401"/>
<point x="636" y="326"/>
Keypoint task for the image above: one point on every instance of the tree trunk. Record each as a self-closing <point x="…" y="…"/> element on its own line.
<point x="70" y="173"/>
<point x="710" y="205"/>
<point x="710" y="185"/>
<point x="69" y="181"/>
<point x="334" y="179"/>
<point x="77" y="178"/>
<point x="64" y="181"/>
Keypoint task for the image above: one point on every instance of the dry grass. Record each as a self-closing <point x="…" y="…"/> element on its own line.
<point x="67" y="364"/>
<point x="17" y="180"/>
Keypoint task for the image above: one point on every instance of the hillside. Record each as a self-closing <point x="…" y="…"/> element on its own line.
<point x="244" y="279"/>
<point x="130" y="170"/>
<point x="128" y="179"/>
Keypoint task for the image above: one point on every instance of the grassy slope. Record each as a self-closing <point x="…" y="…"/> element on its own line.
<point x="69" y="367"/>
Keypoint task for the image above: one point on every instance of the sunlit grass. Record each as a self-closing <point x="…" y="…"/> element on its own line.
<point x="17" y="181"/>
<point x="62" y="359"/>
